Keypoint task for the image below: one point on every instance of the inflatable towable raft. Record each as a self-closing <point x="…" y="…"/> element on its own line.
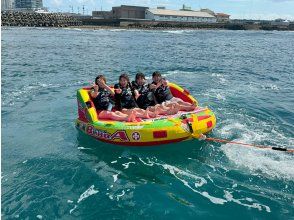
<point x="156" y="131"/>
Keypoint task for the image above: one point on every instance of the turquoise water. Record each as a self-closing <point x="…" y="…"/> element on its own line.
<point x="51" y="171"/>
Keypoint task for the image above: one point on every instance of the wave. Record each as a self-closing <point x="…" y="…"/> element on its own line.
<point x="273" y="164"/>
<point x="178" y="31"/>
<point x="199" y="184"/>
<point x="11" y="96"/>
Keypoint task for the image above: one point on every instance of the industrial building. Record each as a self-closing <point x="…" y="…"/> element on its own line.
<point x="28" y="4"/>
<point x="127" y="11"/>
<point x="160" y="14"/>
<point x="121" y="12"/>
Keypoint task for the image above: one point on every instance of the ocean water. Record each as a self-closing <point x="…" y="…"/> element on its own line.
<point x="51" y="171"/>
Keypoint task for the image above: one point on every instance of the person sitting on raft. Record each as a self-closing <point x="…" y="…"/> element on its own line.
<point x="142" y="92"/>
<point x="102" y="97"/>
<point x="163" y="95"/>
<point x="125" y="98"/>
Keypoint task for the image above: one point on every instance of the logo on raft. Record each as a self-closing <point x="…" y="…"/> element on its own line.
<point x="136" y="136"/>
<point x="121" y="135"/>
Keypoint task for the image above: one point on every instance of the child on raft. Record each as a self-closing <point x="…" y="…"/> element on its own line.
<point x="163" y="95"/>
<point x="142" y="92"/>
<point x="102" y="98"/>
<point x="125" y="97"/>
<point x="145" y="97"/>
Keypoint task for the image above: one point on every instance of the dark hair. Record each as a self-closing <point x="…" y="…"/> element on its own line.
<point x="124" y="75"/>
<point x="140" y="75"/>
<point x="100" y="77"/>
<point x="156" y="73"/>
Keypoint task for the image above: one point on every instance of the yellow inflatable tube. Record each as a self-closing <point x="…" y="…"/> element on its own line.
<point x="162" y="130"/>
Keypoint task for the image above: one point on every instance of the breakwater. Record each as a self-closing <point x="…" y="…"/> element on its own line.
<point x="32" y="19"/>
<point x="147" y="24"/>
<point x="193" y="25"/>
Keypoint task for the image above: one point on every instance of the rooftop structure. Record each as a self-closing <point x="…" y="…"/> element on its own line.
<point x="186" y="8"/>
<point x="207" y="11"/>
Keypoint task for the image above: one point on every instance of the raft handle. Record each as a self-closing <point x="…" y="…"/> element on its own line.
<point x="184" y="117"/>
<point x="89" y="104"/>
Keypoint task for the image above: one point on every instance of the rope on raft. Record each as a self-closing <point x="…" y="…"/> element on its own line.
<point x="263" y="147"/>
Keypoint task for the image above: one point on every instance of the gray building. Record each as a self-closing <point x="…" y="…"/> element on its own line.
<point x="128" y="11"/>
<point x="7" y="5"/>
<point x="28" y="4"/>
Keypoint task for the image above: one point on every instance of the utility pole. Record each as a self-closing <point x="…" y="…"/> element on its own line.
<point x="83" y="9"/>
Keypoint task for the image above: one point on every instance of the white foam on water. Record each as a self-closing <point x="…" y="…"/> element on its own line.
<point x="73" y="29"/>
<point x="208" y="177"/>
<point x="83" y="148"/>
<point x="258" y="206"/>
<point x="115" y="177"/>
<point x="69" y="201"/>
<point x="117" y="30"/>
<point x="200" y="181"/>
<point x="126" y="165"/>
<point x="220" y="97"/>
<point x="177" y="31"/>
<point x="115" y="161"/>
<point x="220" y="78"/>
<point x="270" y="87"/>
<point x="120" y="195"/>
<point x="25" y="161"/>
<point x="87" y="193"/>
<point x="274" y="164"/>
<point x="176" y="73"/>
<point x="229" y="129"/>
<point x="39" y="217"/>
<point x="74" y="208"/>
<point x="213" y="199"/>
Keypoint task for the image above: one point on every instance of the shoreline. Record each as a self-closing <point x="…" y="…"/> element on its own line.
<point x="23" y="19"/>
<point x="108" y="27"/>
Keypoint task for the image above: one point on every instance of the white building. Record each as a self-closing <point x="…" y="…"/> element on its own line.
<point x="180" y="16"/>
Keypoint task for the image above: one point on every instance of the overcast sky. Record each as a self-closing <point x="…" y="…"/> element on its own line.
<point x="255" y="9"/>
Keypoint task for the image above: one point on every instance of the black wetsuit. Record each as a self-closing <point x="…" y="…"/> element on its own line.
<point x="145" y="99"/>
<point x="125" y="99"/>
<point x="162" y="93"/>
<point x="103" y="99"/>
